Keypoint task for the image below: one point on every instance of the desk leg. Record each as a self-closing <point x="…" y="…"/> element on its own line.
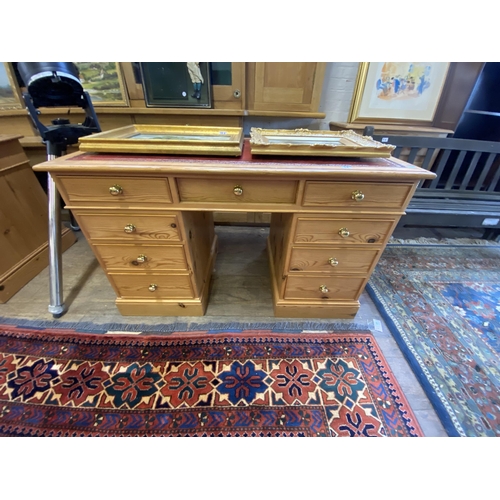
<point x="56" y="305"/>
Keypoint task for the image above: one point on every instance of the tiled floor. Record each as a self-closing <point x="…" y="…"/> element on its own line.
<point x="240" y="294"/>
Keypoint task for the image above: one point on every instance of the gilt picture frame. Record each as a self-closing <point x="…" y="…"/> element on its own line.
<point x="400" y="93"/>
<point x="10" y="95"/>
<point x="304" y="142"/>
<point x="166" y="139"/>
<point x="104" y="82"/>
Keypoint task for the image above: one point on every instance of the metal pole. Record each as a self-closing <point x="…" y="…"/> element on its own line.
<point x="56" y="305"/>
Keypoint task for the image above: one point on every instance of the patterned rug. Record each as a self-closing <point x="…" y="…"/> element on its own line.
<point x="248" y="383"/>
<point x="442" y="304"/>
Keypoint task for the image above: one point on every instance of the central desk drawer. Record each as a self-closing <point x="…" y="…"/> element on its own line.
<point x="237" y="191"/>
<point x="130" y="227"/>
<point x="342" y="231"/>
<point x="143" y="257"/>
<point x="333" y="260"/>
<point x="323" y="287"/>
<point x="357" y="195"/>
<point x="148" y="286"/>
<point x="116" y="189"/>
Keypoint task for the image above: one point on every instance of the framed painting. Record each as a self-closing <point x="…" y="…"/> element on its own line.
<point x="166" y="139"/>
<point x="10" y="95"/>
<point x="104" y="82"/>
<point x="398" y="92"/>
<point x="177" y="84"/>
<point x="304" y="142"/>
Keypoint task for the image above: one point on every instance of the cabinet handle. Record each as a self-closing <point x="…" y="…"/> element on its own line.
<point x="344" y="232"/>
<point x="153" y="287"/>
<point x="333" y="261"/>
<point x="115" y="190"/>
<point x="141" y="258"/>
<point x="357" y="195"/>
<point x="323" y="289"/>
<point x="237" y="93"/>
<point x="238" y="190"/>
<point x="129" y="228"/>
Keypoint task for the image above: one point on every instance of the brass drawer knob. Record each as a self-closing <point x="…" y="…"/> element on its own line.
<point x="153" y="287"/>
<point x="344" y="232"/>
<point x="323" y="289"/>
<point x="115" y="190"/>
<point x="333" y="261"/>
<point x="238" y="190"/>
<point x="357" y="195"/>
<point x="129" y="228"/>
<point x="141" y="259"/>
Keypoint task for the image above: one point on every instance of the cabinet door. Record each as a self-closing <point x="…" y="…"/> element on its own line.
<point x="289" y="86"/>
<point x="228" y="85"/>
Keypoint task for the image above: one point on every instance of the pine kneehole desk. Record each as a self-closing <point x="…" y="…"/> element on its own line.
<point x="149" y="222"/>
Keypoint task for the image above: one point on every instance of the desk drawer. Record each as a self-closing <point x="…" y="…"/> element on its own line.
<point x="115" y="190"/>
<point x="332" y="260"/>
<point x="130" y="227"/>
<point x="324" y="287"/>
<point x="143" y="257"/>
<point x="162" y="286"/>
<point x="370" y="195"/>
<point x="343" y="231"/>
<point x="237" y="191"/>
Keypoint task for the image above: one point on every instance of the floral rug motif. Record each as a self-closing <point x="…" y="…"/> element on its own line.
<point x="442" y="304"/>
<point x="247" y="383"/>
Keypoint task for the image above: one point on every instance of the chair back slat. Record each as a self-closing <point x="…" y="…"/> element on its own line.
<point x="397" y="152"/>
<point x="428" y="157"/>
<point x="413" y="155"/>
<point x="485" y="171"/>
<point x="440" y="168"/>
<point x="470" y="170"/>
<point x="454" y="171"/>
<point x="492" y="187"/>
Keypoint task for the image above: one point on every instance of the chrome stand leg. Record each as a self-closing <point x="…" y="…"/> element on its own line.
<point x="56" y="306"/>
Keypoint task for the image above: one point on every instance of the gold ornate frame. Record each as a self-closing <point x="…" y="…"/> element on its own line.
<point x="18" y="104"/>
<point x="316" y="143"/>
<point x="185" y="140"/>
<point x="124" y="102"/>
<point x="358" y="94"/>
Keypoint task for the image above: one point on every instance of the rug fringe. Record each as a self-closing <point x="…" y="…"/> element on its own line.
<point x="88" y="327"/>
<point x="443" y="241"/>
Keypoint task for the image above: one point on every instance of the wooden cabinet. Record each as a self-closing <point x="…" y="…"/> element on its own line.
<point x="331" y="220"/>
<point x="289" y="87"/>
<point x="23" y="220"/>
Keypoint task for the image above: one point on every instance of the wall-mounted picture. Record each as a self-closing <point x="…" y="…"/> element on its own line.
<point x="10" y="96"/>
<point x="398" y="92"/>
<point x="104" y="83"/>
<point x="177" y="84"/>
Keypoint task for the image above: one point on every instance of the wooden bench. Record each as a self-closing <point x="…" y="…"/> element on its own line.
<point x="466" y="190"/>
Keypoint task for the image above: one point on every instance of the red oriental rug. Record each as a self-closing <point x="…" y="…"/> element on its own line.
<point x="249" y="383"/>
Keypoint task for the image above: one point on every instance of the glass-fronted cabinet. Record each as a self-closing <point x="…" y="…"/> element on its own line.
<point x="228" y="84"/>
